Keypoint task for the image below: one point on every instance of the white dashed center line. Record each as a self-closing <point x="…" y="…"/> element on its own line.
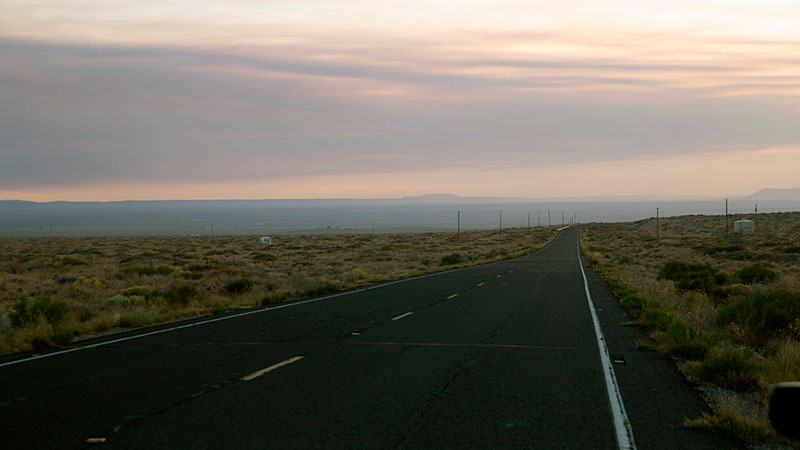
<point x="482" y="283"/>
<point x="402" y="315"/>
<point x="452" y="296"/>
<point x="271" y="368"/>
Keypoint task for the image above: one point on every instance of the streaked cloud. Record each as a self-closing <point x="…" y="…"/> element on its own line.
<point x="312" y="93"/>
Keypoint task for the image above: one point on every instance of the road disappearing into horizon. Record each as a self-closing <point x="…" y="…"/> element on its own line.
<point x="502" y="355"/>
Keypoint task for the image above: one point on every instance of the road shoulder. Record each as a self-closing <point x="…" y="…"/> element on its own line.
<point x="656" y="394"/>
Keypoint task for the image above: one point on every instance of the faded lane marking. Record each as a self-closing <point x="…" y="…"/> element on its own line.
<point x="452" y="296"/>
<point x="271" y="368"/>
<point x="446" y="344"/>
<point x="402" y="315"/>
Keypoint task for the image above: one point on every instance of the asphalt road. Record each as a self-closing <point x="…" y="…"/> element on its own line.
<point x="503" y="355"/>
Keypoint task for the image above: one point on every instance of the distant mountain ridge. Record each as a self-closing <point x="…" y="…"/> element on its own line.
<point x="777" y="194"/>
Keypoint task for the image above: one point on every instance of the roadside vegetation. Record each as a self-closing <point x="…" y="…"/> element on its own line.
<point x="727" y="310"/>
<point x="54" y="290"/>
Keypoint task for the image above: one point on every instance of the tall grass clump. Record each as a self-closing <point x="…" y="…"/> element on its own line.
<point x="27" y="312"/>
<point x="179" y="295"/>
<point x="763" y="315"/>
<point x="238" y="286"/>
<point x="731" y="368"/>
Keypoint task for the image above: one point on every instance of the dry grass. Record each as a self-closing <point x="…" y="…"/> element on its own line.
<point x="736" y="323"/>
<point x="53" y="290"/>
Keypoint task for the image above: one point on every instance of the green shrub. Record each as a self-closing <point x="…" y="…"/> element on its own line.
<point x="689" y="350"/>
<point x="741" y="256"/>
<point x="655" y="319"/>
<point x="732" y="368"/>
<point x="88" y="281"/>
<point x="635" y="304"/>
<point x="756" y="273"/>
<point x="142" y="291"/>
<point x="695" y="277"/>
<point x="63" y="335"/>
<point x="683" y="341"/>
<point x="449" y="260"/>
<point x="27" y="312"/>
<point x="218" y="308"/>
<point x="239" y="286"/>
<point x="762" y="314"/>
<point x="725" y="249"/>
<point x="277" y="297"/>
<point x="180" y="295"/>
<point x="134" y="320"/>
<point x="321" y="288"/>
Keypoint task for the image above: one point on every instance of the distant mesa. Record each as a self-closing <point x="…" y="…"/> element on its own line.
<point x="777" y="194"/>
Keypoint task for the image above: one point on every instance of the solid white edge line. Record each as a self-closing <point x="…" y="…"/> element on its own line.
<point x="247" y="313"/>
<point x="402" y="316"/>
<point x="271" y="368"/>
<point x="622" y="425"/>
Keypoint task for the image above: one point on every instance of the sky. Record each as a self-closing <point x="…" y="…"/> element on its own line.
<point x="110" y="100"/>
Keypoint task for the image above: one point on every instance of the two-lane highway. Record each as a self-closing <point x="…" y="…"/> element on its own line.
<point x="503" y="355"/>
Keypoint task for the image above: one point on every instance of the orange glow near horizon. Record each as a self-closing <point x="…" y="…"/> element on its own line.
<point x="634" y="177"/>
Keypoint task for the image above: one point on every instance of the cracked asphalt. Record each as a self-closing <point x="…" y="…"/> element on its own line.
<point x="509" y="362"/>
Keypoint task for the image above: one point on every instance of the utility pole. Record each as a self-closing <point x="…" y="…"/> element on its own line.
<point x="755" y="228"/>
<point x="548" y="218"/>
<point x="726" y="221"/>
<point x="562" y="217"/>
<point x="538" y="219"/>
<point x="501" y="220"/>
<point x="656" y="223"/>
<point x="529" y="221"/>
<point x="459" y="225"/>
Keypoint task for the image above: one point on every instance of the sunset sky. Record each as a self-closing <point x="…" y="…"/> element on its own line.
<point x="108" y="100"/>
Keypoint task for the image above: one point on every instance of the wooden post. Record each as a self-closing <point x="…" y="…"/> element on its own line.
<point x="755" y="225"/>
<point x="656" y="223"/>
<point x="459" y="225"/>
<point x="562" y="217"/>
<point x="501" y="220"/>
<point x="538" y="219"/>
<point x="529" y="221"/>
<point x="726" y="221"/>
<point x="548" y="218"/>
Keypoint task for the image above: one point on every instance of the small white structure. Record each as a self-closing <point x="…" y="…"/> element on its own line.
<point x="743" y="226"/>
<point x="265" y="240"/>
